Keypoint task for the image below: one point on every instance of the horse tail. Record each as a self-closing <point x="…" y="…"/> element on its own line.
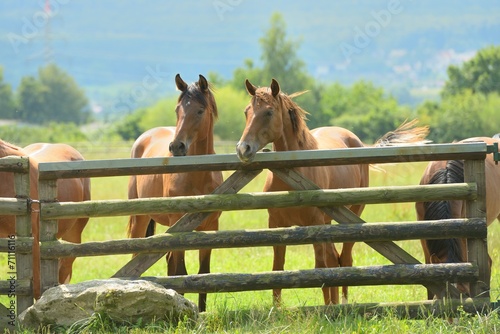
<point x="453" y="173"/>
<point x="407" y="133"/>
<point x="151" y="228"/>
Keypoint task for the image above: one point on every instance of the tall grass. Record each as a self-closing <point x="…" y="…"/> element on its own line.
<point x="253" y="311"/>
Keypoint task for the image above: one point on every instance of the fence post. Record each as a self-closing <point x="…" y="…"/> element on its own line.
<point x="49" y="269"/>
<point x="477" y="249"/>
<point x="24" y="261"/>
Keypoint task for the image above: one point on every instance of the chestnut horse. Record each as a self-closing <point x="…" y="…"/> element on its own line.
<point x="193" y="135"/>
<point x="273" y="117"/>
<point x="68" y="190"/>
<point x="443" y="172"/>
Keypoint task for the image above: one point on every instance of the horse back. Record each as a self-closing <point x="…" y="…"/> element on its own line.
<point x="68" y="190"/>
<point x="153" y="143"/>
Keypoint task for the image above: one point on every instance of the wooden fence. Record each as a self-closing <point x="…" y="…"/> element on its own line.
<point x="17" y="284"/>
<point x="406" y="269"/>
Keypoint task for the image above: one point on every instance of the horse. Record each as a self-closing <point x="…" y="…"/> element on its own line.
<point x="452" y="171"/>
<point x="273" y="117"/>
<point x="193" y="135"/>
<point x="68" y="190"/>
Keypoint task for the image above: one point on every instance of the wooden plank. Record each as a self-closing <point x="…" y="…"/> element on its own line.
<point x="47" y="192"/>
<point x="14" y="164"/>
<point x="477" y="248"/>
<point x="23" y="288"/>
<point x="289" y="159"/>
<point x="140" y="263"/>
<point x="23" y="245"/>
<point x="13" y="206"/>
<point x="454" y="228"/>
<point x="24" y="260"/>
<point x="259" y="200"/>
<point x="397" y="274"/>
<point x="342" y="215"/>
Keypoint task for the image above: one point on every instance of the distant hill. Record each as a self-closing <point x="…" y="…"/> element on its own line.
<point x="126" y="53"/>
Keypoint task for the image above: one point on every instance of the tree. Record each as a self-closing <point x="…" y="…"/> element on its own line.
<point x="31" y="94"/>
<point x="281" y="62"/>
<point x="52" y="97"/>
<point x="364" y="109"/>
<point x="481" y="74"/>
<point x="7" y="104"/>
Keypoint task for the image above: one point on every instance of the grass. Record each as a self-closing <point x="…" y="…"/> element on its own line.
<point x="244" y="312"/>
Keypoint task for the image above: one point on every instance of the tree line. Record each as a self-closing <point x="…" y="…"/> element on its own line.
<point x="468" y="104"/>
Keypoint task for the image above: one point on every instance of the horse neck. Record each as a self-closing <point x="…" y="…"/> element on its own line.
<point x="7" y="149"/>
<point x="290" y="140"/>
<point x="205" y="145"/>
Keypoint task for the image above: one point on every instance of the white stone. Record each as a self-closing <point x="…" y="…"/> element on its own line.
<point x="120" y="300"/>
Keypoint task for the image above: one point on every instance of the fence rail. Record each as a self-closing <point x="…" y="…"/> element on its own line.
<point x="19" y="243"/>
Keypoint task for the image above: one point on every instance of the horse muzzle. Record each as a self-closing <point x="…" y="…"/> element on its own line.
<point x="178" y="148"/>
<point x="245" y="151"/>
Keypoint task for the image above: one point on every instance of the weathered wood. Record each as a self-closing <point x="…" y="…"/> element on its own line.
<point x="453" y="228"/>
<point x="47" y="192"/>
<point x="342" y="215"/>
<point x="12" y="206"/>
<point x="23" y="287"/>
<point x="23" y="245"/>
<point x="24" y="259"/>
<point x="188" y="222"/>
<point x="14" y="164"/>
<point x="289" y="159"/>
<point x="477" y="248"/>
<point x="397" y="274"/>
<point x="259" y="200"/>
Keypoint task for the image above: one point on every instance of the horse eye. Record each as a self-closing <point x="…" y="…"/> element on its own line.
<point x="269" y="113"/>
<point x="201" y="111"/>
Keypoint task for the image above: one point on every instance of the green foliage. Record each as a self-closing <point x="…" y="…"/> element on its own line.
<point x="7" y="105"/>
<point x="281" y="62"/>
<point x="50" y="133"/>
<point x="481" y="74"/>
<point x="364" y="109"/>
<point x="52" y="97"/>
<point x="230" y="104"/>
<point x="462" y="116"/>
<point x="134" y="124"/>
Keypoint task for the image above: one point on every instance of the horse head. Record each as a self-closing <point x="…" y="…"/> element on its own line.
<point x="264" y="121"/>
<point x="196" y="111"/>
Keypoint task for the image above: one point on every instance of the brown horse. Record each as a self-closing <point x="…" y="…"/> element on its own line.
<point x="273" y="117"/>
<point x="68" y="190"/>
<point x="193" y="135"/>
<point x="442" y="172"/>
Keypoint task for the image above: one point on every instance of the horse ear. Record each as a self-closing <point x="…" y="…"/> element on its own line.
<point x="203" y="83"/>
<point x="250" y="88"/>
<point x="181" y="85"/>
<point x="275" y="87"/>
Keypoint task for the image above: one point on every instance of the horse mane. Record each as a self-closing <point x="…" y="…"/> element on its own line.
<point x="206" y="99"/>
<point x="452" y="173"/>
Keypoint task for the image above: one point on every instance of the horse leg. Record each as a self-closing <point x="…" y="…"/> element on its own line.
<point x="204" y="258"/>
<point x="137" y="226"/>
<point x="345" y="260"/>
<point x="332" y="261"/>
<point x="427" y="258"/>
<point x="73" y="235"/>
<point x="278" y="264"/>
<point x="330" y="294"/>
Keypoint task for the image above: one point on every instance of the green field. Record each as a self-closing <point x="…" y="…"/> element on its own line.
<point x="247" y="260"/>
